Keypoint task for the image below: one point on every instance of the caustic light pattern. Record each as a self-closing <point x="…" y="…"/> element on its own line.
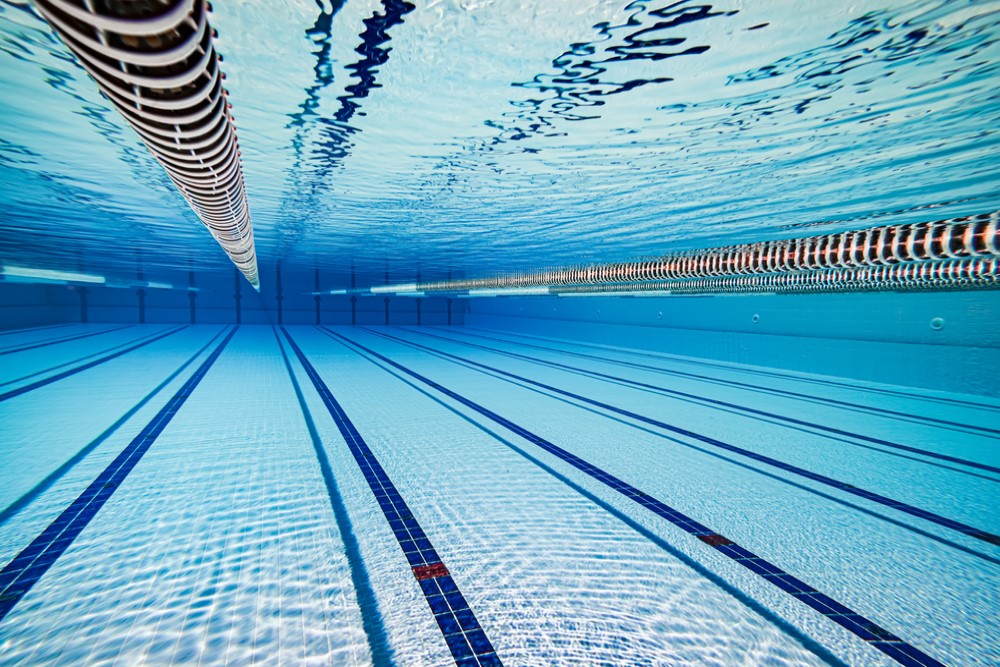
<point x="435" y="496"/>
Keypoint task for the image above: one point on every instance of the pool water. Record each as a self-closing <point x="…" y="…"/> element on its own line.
<point x="383" y="495"/>
<point x="753" y="421"/>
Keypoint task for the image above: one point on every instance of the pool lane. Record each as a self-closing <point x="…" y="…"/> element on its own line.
<point x="768" y="517"/>
<point x="79" y="368"/>
<point x="9" y="511"/>
<point x="23" y="572"/>
<point x="219" y="547"/>
<point x="46" y="432"/>
<point x="33" y="365"/>
<point x="865" y="395"/>
<point x="556" y="575"/>
<point x="975" y="533"/>
<point x="704" y="398"/>
<point x="966" y="497"/>
<point x="465" y="637"/>
<point x="32" y="330"/>
<point x="65" y="339"/>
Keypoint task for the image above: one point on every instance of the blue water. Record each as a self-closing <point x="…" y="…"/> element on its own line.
<point x="477" y="137"/>
<point x="239" y="518"/>
<point x="193" y="473"/>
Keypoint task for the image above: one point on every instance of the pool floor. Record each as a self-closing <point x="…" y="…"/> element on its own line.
<point x="208" y="495"/>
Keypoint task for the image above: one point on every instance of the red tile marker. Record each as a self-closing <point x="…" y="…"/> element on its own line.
<point x="433" y="571"/>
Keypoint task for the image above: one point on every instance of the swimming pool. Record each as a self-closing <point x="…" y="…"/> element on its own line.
<point x="298" y="494"/>
<point x="377" y="332"/>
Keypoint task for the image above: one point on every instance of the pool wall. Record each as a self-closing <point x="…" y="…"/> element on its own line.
<point x="216" y="301"/>
<point x="945" y="340"/>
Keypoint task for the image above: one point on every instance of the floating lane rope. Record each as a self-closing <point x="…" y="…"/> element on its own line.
<point x="156" y="62"/>
<point x="956" y="254"/>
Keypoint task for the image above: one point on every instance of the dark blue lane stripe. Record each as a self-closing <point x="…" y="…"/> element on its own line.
<point x="30" y="329"/>
<point x="704" y="399"/>
<point x="869" y="631"/>
<point x="56" y="474"/>
<point x="78" y="360"/>
<point x="461" y="629"/>
<point x="18" y="577"/>
<point x="56" y="341"/>
<point x="767" y="460"/>
<point x="371" y="619"/>
<point x="77" y="369"/>
<point x="737" y="368"/>
<point x="894" y="414"/>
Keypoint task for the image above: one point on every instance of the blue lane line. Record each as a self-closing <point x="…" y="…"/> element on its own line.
<point x="736" y="368"/>
<point x="18" y="577"/>
<point x="461" y="629"/>
<point x="56" y="474"/>
<point x="77" y="369"/>
<point x="371" y="619"/>
<point x="56" y="341"/>
<point x="30" y="329"/>
<point x="869" y="631"/>
<point x="819" y="493"/>
<point x="704" y="399"/>
<point x="78" y="360"/>
<point x="958" y="526"/>
<point x="981" y="430"/>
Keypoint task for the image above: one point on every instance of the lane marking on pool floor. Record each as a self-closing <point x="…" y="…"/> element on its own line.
<point x="873" y="634"/>
<point x="465" y="637"/>
<point x="707" y="450"/>
<point x="29" y="496"/>
<point x="30" y="329"/>
<point x="371" y="617"/>
<point x="83" y="367"/>
<point x="856" y="407"/>
<point x="945" y="522"/>
<point x="24" y="571"/>
<point x="730" y="407"/>
<point x="740" y="368"/>
<point x="78" y="360"/>
<point x="56" y="341"/>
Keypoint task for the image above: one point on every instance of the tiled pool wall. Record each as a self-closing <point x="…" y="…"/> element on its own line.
<point x="218" y="299"/>
<point x="945" y="340"/>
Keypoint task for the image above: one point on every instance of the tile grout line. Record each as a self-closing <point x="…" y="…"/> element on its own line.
<point x="468" y="643"/>
<point x="24" y="571"/>
<point x="870" y="632"/>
